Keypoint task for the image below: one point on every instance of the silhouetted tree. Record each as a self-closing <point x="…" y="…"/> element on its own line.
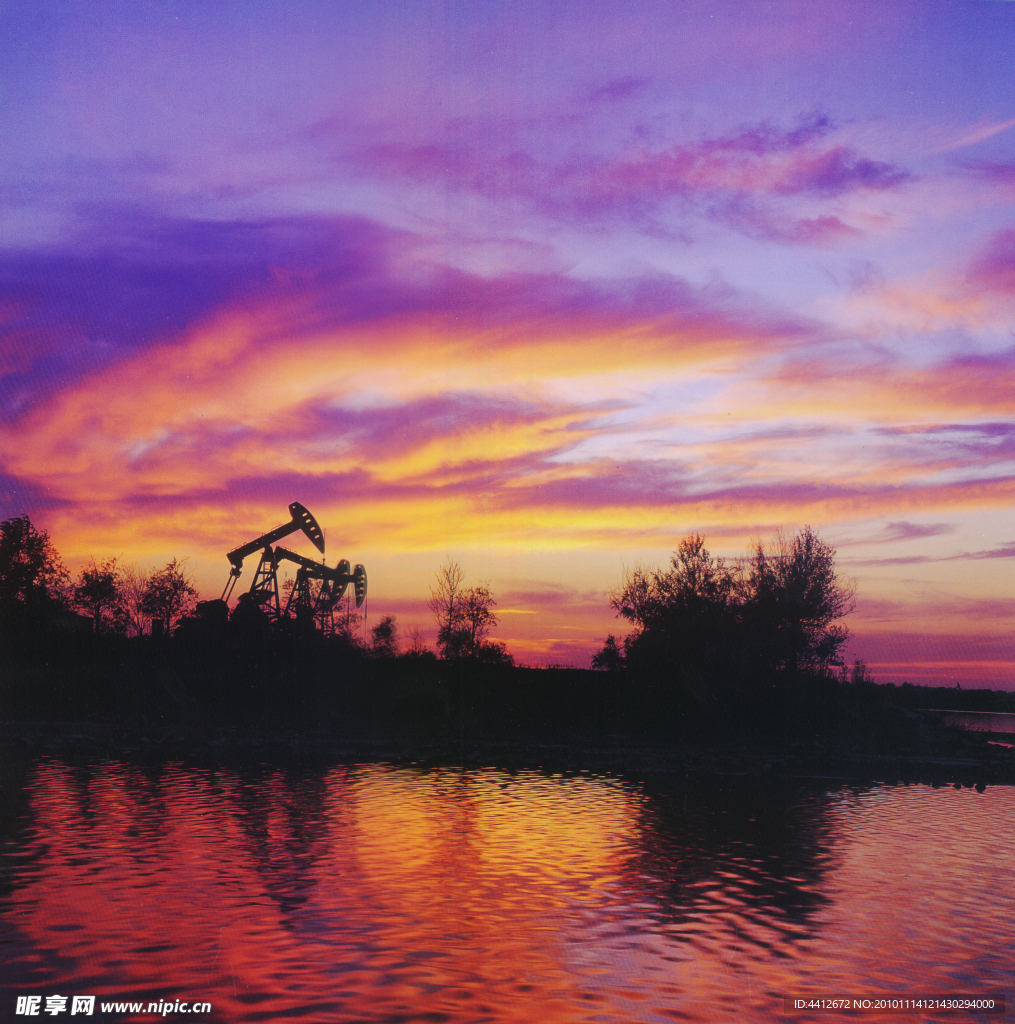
<point x="464" y="617"/>
<point x="796" y="596"/>
<point x="417" y="643"/>
<point x="477" y="617"/>
<point x="169" y="594"/>
<point x="610" y="658"/>
<point x="686" y="619"/>
<point x="712" y="632"/>
<point x="31" y="573"/>
<point x="34" y="585"/>
<point x="133" y="584"/>
<point x="384" y="638"/>
<point x="348" y="630"/>
<point x="491" y="652"/>
<point x="859" y="674"/>
<point x="99" y="591"/>
<point x="445" y="603"/>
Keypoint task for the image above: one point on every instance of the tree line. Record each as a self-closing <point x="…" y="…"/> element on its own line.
<point x="112" y="599"/>
<point x="36" y="590"/>
<point x="701" y="626"/>
<point x="120" y="599"/>
<point x="751" y="646"/>
<point x="709" y="628"/>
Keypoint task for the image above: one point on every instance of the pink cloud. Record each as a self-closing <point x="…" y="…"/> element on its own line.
<point x="133" y="286"/>
<point x="980" y="384"/>
<point x="758" y="221"/>
<point x="994" y="268"/>
<point x="1004" y="551"/>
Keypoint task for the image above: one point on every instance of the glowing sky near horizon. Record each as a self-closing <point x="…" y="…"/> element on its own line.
<point x="540" y="287"/>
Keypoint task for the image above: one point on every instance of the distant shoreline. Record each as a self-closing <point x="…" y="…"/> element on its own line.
<point x="964" y="760"/>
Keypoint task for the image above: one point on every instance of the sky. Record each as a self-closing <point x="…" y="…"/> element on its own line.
<point x="539" y="287"/>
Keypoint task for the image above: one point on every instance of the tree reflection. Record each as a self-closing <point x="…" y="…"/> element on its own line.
<point x="753" y="852"/>
<point x="285" y="820"/>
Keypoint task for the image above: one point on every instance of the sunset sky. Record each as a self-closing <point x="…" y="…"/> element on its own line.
<point x="542" y="287"/>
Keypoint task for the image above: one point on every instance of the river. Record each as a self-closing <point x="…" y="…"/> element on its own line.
<point x="376" y="892"/>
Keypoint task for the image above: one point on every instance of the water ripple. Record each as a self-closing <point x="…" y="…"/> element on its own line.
<point x="383" y="893"/>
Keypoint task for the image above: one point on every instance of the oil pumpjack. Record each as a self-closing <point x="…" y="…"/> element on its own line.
<point x="305" y="603"/>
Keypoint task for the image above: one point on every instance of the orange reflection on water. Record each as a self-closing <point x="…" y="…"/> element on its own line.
<point x="370" y="894"/>
<point x="379" y="893"/>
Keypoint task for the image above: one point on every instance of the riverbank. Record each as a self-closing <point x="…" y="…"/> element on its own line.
<point x="954" y="758"/>
<point x="296" y="700"/>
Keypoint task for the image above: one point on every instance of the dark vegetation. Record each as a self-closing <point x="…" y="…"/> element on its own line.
<point x="739" y="654"/>
<point x="756" y="640"/>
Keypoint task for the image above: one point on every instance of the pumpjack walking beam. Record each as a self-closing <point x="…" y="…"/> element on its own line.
<point x="301" y="520"/>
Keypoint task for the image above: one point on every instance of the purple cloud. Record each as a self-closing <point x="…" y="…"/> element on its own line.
<point x="532" y="479"/>
<point x="994" y="269"/>
<point x="837" y="171"/>
<point x="730" y="179"/>
<point x="618" y="89"/>
<point x="21" y="497"/>
<point x="557" y="598"/>
<point x="903" y="531"/>
<point x="377" y="435"/>
<point x="764" y="139"/>
<point x="132" y="281"/>
<point x="757" y="221"/>
<point x="999" y="173"/>
<point x="898" y="560"/>
<point x="1007" y="551"/>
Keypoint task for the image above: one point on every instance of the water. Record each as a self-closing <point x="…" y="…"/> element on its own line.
<point x="382" y="893"/>
<point x="1000" y="722"/>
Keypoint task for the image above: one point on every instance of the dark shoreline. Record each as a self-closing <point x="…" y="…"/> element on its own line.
<point x="302" y="700"/>
<point x="961" y="759"/>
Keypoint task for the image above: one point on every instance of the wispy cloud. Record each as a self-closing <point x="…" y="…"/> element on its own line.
<point x="1005" y="551"/>
<point x="732" y="179"/>
<point x="897" y="532"/>
<point x="617" y="89"/>
<point x="911" y="398"/>
<point x="1001" y="173"/>
<point x="978" y="134"/>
